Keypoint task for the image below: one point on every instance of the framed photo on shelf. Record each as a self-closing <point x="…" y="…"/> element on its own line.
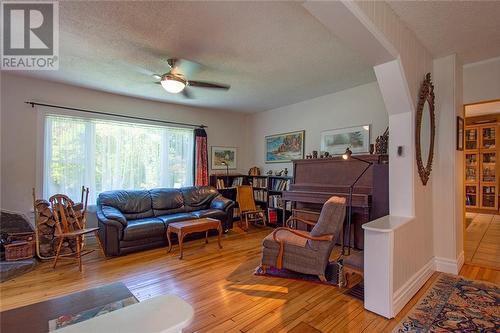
<point x="460" y="133"/>
<point x="356" y="138"/>
<point x="221" y="155"/>
<point x="285" y="147"/>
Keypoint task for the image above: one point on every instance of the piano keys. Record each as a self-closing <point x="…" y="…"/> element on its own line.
<point x="316" y="180"/>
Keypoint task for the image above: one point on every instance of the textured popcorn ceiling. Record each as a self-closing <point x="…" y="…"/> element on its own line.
<point x="271" y="53"/>
<point x="469" y="28"/>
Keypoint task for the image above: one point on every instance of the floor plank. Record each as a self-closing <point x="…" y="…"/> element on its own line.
<point x="220" y="285"/>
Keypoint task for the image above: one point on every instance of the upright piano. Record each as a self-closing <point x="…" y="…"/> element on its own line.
<point x="316" y="180"/>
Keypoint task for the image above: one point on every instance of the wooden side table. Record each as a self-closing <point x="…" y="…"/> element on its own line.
<point x="187" y="227"/>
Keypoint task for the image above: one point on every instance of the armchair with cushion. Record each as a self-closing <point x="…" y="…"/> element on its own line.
<point x="302" y="251"/>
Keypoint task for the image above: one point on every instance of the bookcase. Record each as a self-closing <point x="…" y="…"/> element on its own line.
<point x="481" y="167"/>
<point x="267" y="191"/>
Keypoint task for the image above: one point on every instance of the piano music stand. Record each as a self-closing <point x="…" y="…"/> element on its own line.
<point x="346" y="156"/>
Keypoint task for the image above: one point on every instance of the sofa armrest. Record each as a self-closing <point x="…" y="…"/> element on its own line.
<point x="219" y="202"/>
<point x="111" y="213"/>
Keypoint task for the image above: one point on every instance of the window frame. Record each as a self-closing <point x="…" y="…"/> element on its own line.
<point x="43" y="111"/>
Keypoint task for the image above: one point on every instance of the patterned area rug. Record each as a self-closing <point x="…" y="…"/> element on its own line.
<point x="455" y="304"/>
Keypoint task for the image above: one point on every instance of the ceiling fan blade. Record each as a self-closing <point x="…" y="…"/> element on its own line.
<point x="158" y="82"/>
<point x="202" y="84"/>
<point x="186" y="93"/>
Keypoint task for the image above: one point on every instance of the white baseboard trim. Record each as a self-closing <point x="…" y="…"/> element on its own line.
<point x="450" y="266"/>
<point x="404" y="294"/>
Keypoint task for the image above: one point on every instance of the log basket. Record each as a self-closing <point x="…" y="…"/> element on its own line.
<point x="20" y="246"/>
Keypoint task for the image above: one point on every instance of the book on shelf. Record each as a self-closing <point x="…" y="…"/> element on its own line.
<point x="237" y="181"/>
<point x="280" y="184"/>
<point x="220" y="184"/>
<point x="259" y="195"/>
<point x="275" y="201"/>
<point x="259" y="182"/>
<point x="272" y="216"/>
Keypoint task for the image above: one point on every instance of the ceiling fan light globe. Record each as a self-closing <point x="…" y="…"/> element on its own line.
<point x="173" y="86"/>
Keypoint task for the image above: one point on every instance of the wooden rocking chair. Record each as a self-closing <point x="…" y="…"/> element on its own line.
<point x="248" y="210"/>
<point x="70" y="224"/>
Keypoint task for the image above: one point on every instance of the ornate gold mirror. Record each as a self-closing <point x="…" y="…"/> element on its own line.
<point x="425" y="129"/>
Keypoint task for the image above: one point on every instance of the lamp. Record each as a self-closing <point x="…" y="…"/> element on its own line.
<point x="227" y="172"/>
<point x="347" y="156"/>
<point x="172" y="84"/>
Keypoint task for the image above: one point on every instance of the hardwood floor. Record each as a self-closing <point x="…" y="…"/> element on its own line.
<point x="220" y="285"/>
<point x="482" y="240"/>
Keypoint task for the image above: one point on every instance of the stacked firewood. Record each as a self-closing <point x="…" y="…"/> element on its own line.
<point x="47" y="228"/>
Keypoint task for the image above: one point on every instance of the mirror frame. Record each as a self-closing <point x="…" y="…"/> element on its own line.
<point x="426" y="95"/>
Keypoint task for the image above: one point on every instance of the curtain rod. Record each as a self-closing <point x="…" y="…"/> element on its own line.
<point x="114" y="115"/>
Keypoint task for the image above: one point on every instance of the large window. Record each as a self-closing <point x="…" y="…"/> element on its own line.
<point x="109" y="155"/>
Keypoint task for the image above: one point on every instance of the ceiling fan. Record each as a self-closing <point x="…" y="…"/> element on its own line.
<point x="175" y="82"/>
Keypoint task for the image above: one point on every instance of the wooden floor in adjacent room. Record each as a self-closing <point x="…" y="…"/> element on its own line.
<point x="482" y="240"/>
<point x="221" y="286"/>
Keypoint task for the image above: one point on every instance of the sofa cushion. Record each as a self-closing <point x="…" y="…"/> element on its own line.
<point x="176" y="217"/>
<point x="144" y="228"/>
<point x="166" y="201"/>
<point x="198" y="197"/>
<point x="212" y="213"/>
<point x="134" y="204"/>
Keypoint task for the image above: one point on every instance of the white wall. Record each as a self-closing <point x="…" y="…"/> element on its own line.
<point x="361" y="105"/>
<point x="19" y="132"/>
<point x="448" y="235"/>
<point x="481" y="81"/>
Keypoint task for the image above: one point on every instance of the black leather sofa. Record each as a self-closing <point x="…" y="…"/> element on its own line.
<point x="135" y="220"/>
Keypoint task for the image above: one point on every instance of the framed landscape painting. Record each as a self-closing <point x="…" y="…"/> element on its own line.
<point x="285" y="147"/>
<point x="223" y="154"/>
<point x="337" y="141"/>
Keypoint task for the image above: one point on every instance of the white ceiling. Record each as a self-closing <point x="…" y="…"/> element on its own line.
<point x="469" y="28"/>
<point x="271" y="53"/>
<point x="481" y="109"/>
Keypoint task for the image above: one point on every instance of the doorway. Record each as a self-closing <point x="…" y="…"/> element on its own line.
<point x="482" y="184"/>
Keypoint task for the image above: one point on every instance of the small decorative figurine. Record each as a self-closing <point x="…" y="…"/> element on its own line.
<point x="254" y="171"/>
<point x="285" y="172"/>
<point x="270" y="173"/>
<point x="382" y="143"/>
<point x="315" y="154"/>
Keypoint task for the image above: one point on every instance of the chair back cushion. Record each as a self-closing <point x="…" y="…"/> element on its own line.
<point x="134" y="204"/>
<point x="198" y="197"/>
<point x="330" y="220"/>
<point x="167" y="201"/>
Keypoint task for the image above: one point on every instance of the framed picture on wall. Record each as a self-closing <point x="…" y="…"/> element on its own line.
<point x="356" y="138"/>
<point x="223" y="155"/>
<point x="285" y="147"/>
<point x="460" y="133"/>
